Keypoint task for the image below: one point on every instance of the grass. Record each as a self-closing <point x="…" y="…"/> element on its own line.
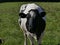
<point x="11" y="33"/>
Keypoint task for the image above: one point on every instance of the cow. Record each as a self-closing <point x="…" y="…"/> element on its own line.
<point x="32" y="20"/>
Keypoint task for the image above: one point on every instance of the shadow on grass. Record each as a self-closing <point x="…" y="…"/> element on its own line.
<point x="0" y="20"/>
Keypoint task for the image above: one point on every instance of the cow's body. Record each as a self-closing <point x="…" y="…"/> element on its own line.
<point x="32" y="22"/>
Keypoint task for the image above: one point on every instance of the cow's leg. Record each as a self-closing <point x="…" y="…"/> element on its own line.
<point x="25" y="39"/>
<point x="31" y="38"/>
<point x="39" y="38"/>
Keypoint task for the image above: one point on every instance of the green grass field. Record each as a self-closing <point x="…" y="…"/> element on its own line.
<point x="11" y="33"/>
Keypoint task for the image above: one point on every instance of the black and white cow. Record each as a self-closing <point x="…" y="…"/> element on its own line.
<point x="32" y="21"/>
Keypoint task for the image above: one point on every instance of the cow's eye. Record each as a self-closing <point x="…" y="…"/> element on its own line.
<point x="22" y="15"/>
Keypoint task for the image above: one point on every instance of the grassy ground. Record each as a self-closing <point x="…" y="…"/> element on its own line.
<point x="11" y="33"/>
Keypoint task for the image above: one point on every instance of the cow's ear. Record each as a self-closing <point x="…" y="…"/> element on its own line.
<point x="43" y="14"/>
<point x="22" y="15"/>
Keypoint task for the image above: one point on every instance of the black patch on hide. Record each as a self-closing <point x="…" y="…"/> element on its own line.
<point x="38" y="24"/>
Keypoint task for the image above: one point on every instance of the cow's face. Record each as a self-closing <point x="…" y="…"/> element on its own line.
<point x="32" y="20"/>
<point x="28" y="18"/>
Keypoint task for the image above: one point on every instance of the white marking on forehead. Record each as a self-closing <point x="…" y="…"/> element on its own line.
<point x="22" y="7"/>
<point x="33" y="6"/>
<point x="29" y="7"/>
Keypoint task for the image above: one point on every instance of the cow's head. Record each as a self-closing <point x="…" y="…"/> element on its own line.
<point x="33" y="14"/>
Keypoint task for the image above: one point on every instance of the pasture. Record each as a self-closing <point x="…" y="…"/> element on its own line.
<point x="11" y="33"/>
